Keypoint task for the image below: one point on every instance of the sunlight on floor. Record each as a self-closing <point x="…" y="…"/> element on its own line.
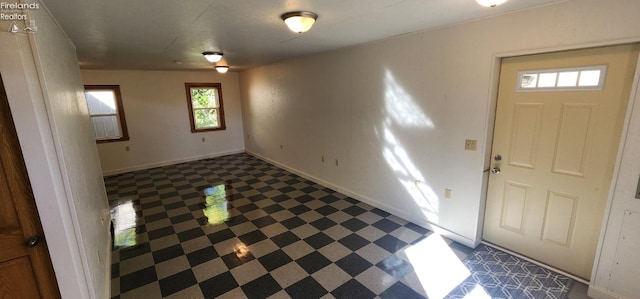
<point x="437" y="267"/>
<point x="478" y="293"/>
<point x="215" y="204"/>
<point x="124" y="224"/>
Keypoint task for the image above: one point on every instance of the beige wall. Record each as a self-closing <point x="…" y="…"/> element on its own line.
<point x="157" y="118"/>
<point x="44" y="89"/>
<point x="396" y="113"/>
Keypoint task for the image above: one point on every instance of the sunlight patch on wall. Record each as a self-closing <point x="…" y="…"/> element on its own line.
<point x="401" y="107"/>
<point x="410" y="177"/>
<point x="400" y="155"/>
<point x="401" y="112"/>
<point x="429" y="202"/>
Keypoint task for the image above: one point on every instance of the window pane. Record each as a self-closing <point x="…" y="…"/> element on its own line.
<point x="106" y="112"/>
<point x="206" y="118"/>
<point x="589" y="78"/>
<point x="101" y="102"/>
<point x="547" y="80"/>
<point x="568" y="79"/>
<point x="204" y="97"/>
<point x="529" y="80"/>
<point x="565" y="79"/>
<point x="105" y="127"/>
<point x="204" y="101"/>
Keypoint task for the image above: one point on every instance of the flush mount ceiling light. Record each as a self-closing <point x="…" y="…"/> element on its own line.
<point x="222" y="69"/>
<point x="299" y="21"/>
<point x="490" y="3"/>
<point x="212" y="56"/>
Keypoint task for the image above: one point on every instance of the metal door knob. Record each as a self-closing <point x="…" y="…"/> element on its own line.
<point x="32" y="242"/>
<point x="495" y="170"/>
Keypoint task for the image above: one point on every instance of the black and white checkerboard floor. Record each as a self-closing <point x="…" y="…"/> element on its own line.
<point x="238" y="227"/>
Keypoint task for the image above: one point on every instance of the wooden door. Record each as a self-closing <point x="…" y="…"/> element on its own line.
<point x="25" y="268"/>
<point x="555" y="149"/>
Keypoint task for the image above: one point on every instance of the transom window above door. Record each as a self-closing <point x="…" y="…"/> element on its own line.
<point x="106" y="112"/>
<point x="582" y="78"/>
<point x="206" y="111"/>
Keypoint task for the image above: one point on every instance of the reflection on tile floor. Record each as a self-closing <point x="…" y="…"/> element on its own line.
<point x="238" y="227"/>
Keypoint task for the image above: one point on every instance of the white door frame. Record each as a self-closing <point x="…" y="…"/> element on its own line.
<point x="22" y="85"/>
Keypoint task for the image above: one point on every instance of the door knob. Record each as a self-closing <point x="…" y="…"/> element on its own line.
<point x="32" y="242"/>
<point x="495" y="170"/>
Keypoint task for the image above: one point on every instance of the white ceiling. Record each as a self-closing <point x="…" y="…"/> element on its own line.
<point x="151" y="34"/>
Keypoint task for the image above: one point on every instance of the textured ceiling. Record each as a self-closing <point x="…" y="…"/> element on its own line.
<point x="152" y="34"/>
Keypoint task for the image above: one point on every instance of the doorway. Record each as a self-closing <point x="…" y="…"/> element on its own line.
<point x="559" y="119"/>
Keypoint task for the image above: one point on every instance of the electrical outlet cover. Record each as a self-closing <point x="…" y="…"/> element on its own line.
<point x="470" y="145"/>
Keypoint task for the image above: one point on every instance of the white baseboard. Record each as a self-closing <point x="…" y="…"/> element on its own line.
<point x="169" y="162"/>
<point x="375" y="203"/>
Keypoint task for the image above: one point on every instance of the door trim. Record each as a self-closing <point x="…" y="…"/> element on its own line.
<point x="634" y="102"/>
<point x="36" y="139"/>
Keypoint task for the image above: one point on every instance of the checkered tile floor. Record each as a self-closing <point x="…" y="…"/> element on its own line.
<point x="238" y="227"/>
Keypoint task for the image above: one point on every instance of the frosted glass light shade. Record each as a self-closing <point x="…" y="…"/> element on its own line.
<point x="212" y="56"/>
<point x="222" y="69"/>
<point x="299" y="21"/>
<point x="490" y="3"/>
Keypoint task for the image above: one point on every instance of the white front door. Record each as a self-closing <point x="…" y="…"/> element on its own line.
<point x="555" y="146"/>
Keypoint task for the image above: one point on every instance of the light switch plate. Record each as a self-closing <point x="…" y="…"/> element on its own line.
<point x="470" y="145"/>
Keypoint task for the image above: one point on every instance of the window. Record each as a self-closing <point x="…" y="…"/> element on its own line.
<point x="106" y="112"/>
<point x="582" y="78"/>
<point x="205" y="106"/>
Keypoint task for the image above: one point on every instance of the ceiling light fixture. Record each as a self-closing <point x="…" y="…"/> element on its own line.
<point x="490" y="3"/>
<point x="212" y="56"/>
<point x="299" y="21"/>
<point x="222" y="69"/>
